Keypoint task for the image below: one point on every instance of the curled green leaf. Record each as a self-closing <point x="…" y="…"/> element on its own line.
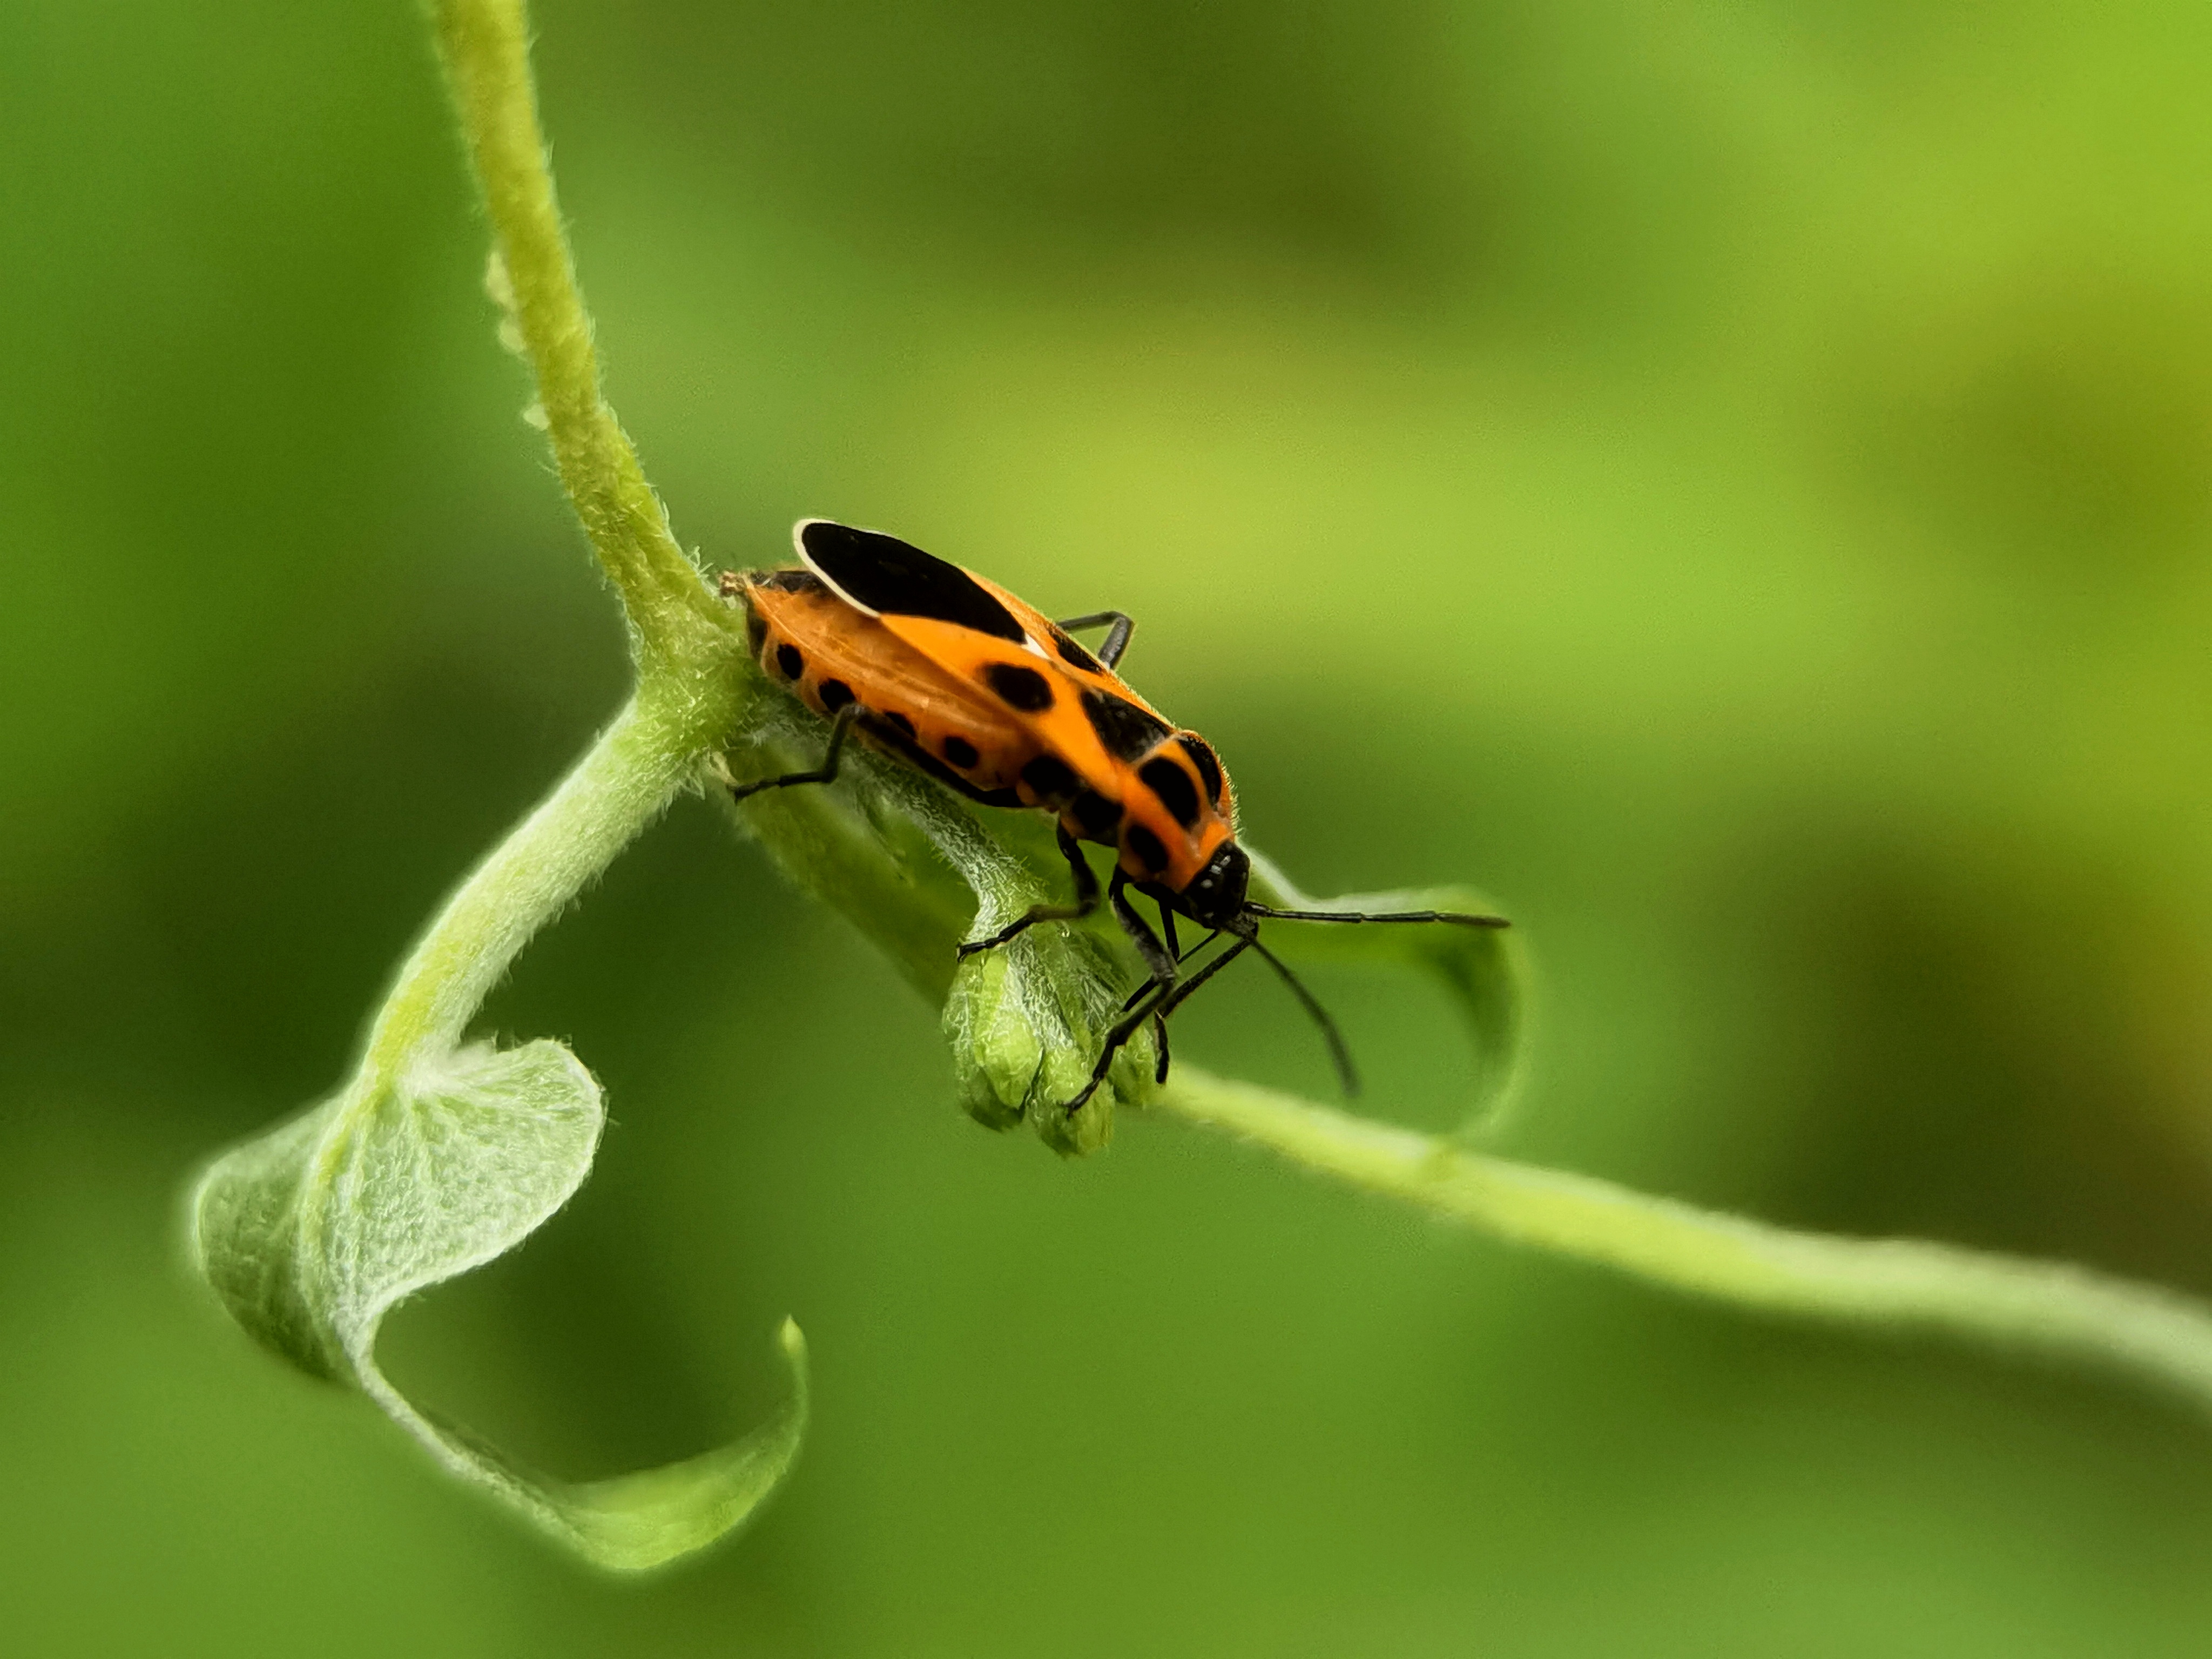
<point x="312" y="1233"/>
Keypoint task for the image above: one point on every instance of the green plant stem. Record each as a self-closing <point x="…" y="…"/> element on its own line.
<point x="622" y="783"/>
<point x="1907" y="1283"/>
<point x="687" y="649"/>
<point x="485" y="46"/>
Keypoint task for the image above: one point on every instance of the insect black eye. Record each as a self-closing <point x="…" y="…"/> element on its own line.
<point x="1218" y="894"/>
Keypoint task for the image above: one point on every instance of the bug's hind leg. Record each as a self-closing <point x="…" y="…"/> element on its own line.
<point x="1086" y="901"/>
<point x="826" y="773"/>
<point x="1118" y="625"/>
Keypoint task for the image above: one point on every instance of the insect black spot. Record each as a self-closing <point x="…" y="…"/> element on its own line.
<point x="1019" y="687"/>
<point x="960" y="752"/>
<point x="1127" y="731"/>
<point x="1097" y="814"/>
<point x="1070" y="651"/>
<point x="901" y="724"/>
<point x="1049" y="778"/>
<point x="1209" y="768"/>
<point x="788" y="659"/>
<point x="756" y="630"/>
<point x="835" y="695"/>
<point x="882" y="573"/>
<point x="1173" y="785"/>
<point x="1146" y="846"/>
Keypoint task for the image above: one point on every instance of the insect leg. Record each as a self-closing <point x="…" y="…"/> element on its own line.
<point x="825" y="773"/>
<point x="1144" y="987"/>
<point x="1158" y="958"/>
<point x="1346" y="1074"/>
<point x="1117" y="634"/>
<point x="1459" y="916"/>
<point x="1159" y="1023"/>
<point x="1167" y="998"/>
<point x="1168" y="930"/>
<point x="1086" y="901"/>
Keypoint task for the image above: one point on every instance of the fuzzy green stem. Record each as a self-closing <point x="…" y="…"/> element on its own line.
<point x="1907" y="1283"/>
<point x="622" y="783"/>
<point x="485" y="47"/>
<point x="691" y="686"/>
<point x="685" y="642"/>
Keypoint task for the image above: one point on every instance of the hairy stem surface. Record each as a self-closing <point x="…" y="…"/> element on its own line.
<point x="2007" y="1301"/>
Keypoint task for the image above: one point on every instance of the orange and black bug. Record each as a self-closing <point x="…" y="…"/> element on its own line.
<point x="954" y="676"/>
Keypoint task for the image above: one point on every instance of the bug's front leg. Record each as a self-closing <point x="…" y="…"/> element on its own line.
<point x="1160" y="962"/>
<point x="1086" y="901"/>
<point x="1159" y="1002"/>
<point x="826" y="773"/>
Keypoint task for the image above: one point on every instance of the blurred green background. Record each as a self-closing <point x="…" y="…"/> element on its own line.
<point x="1732" y="480"/>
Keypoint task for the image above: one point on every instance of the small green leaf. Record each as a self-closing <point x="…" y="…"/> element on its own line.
<point x="1484" y="969"/>
<point x="312" y="1233"/>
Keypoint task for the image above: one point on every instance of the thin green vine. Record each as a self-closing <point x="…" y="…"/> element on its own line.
<point x="1905" y="1283"/>
<point x="436" y="1155"/>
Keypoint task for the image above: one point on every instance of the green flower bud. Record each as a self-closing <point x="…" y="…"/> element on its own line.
<point x="1025" y="1021"/>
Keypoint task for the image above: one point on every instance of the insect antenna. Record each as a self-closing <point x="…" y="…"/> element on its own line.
<point x="1347" y="1073"/>
<point x="1458" y="916"/>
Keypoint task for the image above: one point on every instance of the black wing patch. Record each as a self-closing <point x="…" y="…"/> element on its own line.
<point x="1209" y="768"/>
<point x="1169" y="782"/>
<point x="1128" y="732"/>
<point x="1019" y="687"/>
<point x="892" y="578"/>
<point x="1070" y="651"/>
